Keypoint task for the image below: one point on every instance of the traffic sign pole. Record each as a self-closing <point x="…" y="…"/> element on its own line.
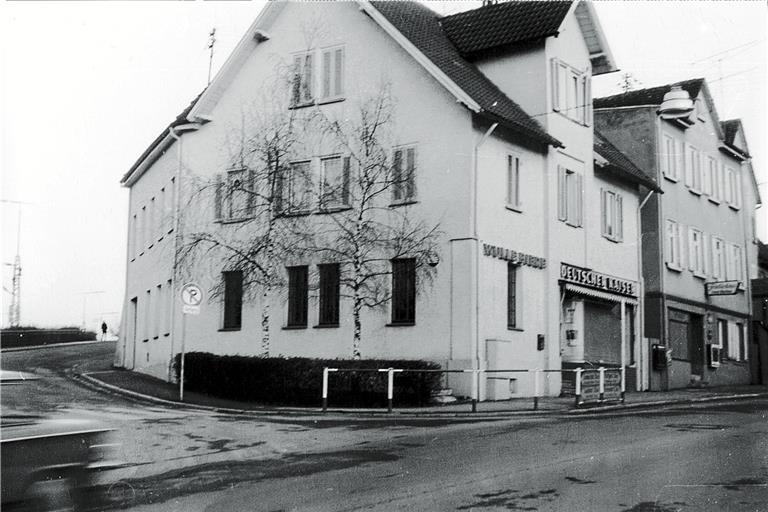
<point x="183" y="336"/>
<point x="191" y="298"/>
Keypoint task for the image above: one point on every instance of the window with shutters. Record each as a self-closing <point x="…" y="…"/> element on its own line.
<point x="297" y="188"/>
<point x="297" y="296"/>
<point x="718" y="258"/>
<point x="334" y="182"/>
<point x="302" y="83"/>
<point x="696" y="252"/>
<point x="612" y="208"/>
<point x="671" y="164"/>
<point x="403" y="291"/>
<point x="233" y="299"/>
<point x="513" y="182"/>
<point x="734" y="263"/>
<point x="332" y="74"/>
<point x="674" y="246"/>
<point x="234" y="195"/>
<point x="733" y="187"/>
<point x="710" y="177"/>
<point x="571" y="92"/>
<point x="570" y="197"/>
<point x="693" y="174"/>
<point x="329" y="295"/>
<point x="511" y="295"/>
<point x="404" y="175"/>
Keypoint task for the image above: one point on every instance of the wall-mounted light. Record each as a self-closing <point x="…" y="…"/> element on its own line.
<point x="677" y="103"/>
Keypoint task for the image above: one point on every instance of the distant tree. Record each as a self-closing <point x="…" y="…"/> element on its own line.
<point x="628" y="82"/>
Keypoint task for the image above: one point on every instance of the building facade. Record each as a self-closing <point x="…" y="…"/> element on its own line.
<point x="538" y="264"/>
<point x="698" y="236"/>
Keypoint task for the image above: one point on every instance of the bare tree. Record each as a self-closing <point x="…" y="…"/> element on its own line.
<point x="370" y="222"/>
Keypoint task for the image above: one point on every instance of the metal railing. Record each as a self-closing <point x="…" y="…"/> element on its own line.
<point x="478" y="373"/>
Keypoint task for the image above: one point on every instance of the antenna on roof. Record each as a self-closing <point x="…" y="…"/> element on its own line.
<point x="211" y="42"/>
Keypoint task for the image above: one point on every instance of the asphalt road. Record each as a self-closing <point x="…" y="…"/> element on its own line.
<point x="709" y="457"/>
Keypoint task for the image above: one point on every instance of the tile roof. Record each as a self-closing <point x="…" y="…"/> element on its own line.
<point x="421" y="26"/>
<point x="180" y="119"/>
<point x="652" y="96"/>
<point x="621" y="165"/>
<point x="504" y="24"/>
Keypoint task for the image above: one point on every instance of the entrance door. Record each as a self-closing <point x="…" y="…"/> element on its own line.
<point x="696" y="345"/>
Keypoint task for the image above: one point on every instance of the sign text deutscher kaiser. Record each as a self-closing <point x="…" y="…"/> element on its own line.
<point x="592" y="279"/>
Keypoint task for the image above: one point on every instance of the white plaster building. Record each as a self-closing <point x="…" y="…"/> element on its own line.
<point x="539" y="262"/>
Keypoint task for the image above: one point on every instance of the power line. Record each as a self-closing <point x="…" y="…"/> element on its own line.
<point x="745" y="45"/>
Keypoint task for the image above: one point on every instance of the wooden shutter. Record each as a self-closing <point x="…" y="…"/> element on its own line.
<point x="397" y="175"/>
<point x="587" y="100"/>
<point x="345" y="182"/>
<point x="555" y="72"/>
<point x="251" y="191"/>
<point x="410" y="182"/>
<point x="562" y="194"/>
<point x="338" y="72"/>
<point x="579" y="200"/>
<point x="296" y="85"/>
<point x="218" y="187"/>
<point x="619" y="228"/>
<point x="326" y="74"/>
<point x="604" y="212"/>
<point x="307" y="79"/>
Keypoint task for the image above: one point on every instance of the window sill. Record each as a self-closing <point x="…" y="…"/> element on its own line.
<point x="513" y="208"/>
<point x="299" y="213"/>
<point x="155" y="337"/>
<point x="737" y="362"/>
<point x="145" y="341"/>
<point x="293" y="327"/>
<point x="699" y="275"/>
<point x="714" y="201"/>
<point x="141" y="253"/>
<point x="515" y="329"/>
<point x="233" y="221"/>
<point x="133" y="259"/>
<point x="734" y="207"/>
<point x="401" y="324"/>
<point x="671" y="178"/>
<point x="302" y="105"/>
<point x="328" y="101"/>
<point x="229" y="329"/>
<point x="325" y="326"/>
<point x="334" y="209"/>
<point x="673" y="267"/>
<point x="612" y="239"/>
<point x="694" y="192"/>
<point x="406" y="202"/>
<point x="570" y="224"/>
<point x="160" y="239"/>
<point x="167" y="334"/>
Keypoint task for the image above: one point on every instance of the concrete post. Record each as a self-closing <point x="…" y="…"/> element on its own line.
<point x="578" y="386"/>
<point x="602" y="383"/>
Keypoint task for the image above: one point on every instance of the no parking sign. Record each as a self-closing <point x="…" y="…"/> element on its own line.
<point x="191" y="298"/>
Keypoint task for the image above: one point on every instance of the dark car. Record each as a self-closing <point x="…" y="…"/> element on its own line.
<point x="48" y="461"/>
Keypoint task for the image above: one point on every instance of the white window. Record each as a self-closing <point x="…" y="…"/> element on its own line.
<point x="710" y="176"/>
<point x="513" y="182"/>
<point x="147" y="316"/>
<point x="674" y="247"/>
<point x="670" y="159"/>
<point x="233" y="195"/>
<point x="332" y="75"/>
<point x="570" y="197"/>
<point x="718" y="258"/>
<point x="734" y="263"/>
<point x="160" y="311"/>
<point x="693" y="170"/>
<point x="132" y="242"/>
<point x="152" y="228"/>
<point x="143" y="230"/>
<point x="612" y="215"/>
<point x="302" y="87"/>
<point x="334" y="182"/>
<point x="298" y="193"/>
<point x="404" y="174"/>
<point x="696" y="252"/>
<point x="736" y="341"/>
<point x="571" y="92"/>
<point x="168" y="316"/>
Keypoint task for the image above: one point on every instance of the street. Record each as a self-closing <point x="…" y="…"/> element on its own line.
<point x="708" y="457"/>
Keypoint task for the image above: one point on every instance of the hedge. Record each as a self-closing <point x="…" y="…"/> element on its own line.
<point x="32" y="336"/>
<point x="298" y="380"/>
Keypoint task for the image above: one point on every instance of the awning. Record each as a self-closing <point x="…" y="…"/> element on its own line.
<point x="598" y="294"/>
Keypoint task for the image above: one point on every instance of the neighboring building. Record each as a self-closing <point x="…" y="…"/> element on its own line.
<point x="698" y="237"/>
<point x="539" y="265"/>
<point x="762" y="260"/>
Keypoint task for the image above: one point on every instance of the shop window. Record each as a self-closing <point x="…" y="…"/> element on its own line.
<point x="233" y="299"/>
<point x="570" y="197"/>
<point x="332" y="74"/>
<point x="511" y="295"/>
<point x="612" y="215"/>
<point x="297" y="296"/>
<point x="302" y="87"/>
<point x="674" y="246"/>
<point x="334" y="182"/>
<point x="403" y="291"/>
<point x="404" y="175"/>
<point x="329" y="294"/>
<point x="513" y="182"/>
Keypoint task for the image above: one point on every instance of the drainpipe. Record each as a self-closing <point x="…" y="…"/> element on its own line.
<point x="172" y="131"/>
<point x="476" y="269"/>
<point x="640" y="313"/>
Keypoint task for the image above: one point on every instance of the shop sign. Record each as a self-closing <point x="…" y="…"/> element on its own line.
<point x="721" y="288"/>
<point x="590" y="386"/>
<point x="519" y="258"/>
<point x="592" y="279"/>
<point x="612" y="385"/>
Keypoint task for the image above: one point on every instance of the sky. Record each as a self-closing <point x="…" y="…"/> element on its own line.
<point x="86" y="86"/>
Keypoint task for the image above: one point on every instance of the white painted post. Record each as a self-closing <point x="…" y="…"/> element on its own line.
<point x="325" y="389"/>
<point x="390" y="388"/>
<point x="623" y="383"/>
<point x="536" y="392"/>
<point x="475" y="386"/>
<point x="624" y="345"/>
<point x="578" y="386"/>
<point x="602" y="383"/>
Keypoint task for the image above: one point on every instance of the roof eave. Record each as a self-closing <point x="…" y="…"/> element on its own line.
<point x="601" y="58"/>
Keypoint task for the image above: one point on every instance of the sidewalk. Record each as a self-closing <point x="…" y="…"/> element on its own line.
<point x="145" y="388"/>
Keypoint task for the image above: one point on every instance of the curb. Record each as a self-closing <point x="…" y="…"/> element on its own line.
<point x="402" y="414"/>
<point x="51" y="345"/>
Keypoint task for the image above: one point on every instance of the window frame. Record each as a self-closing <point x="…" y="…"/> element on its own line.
<point x="696" y="252"/>
<point x="513" y="201"/>
<point x="571" y="92"/>
<point x="670" y="158"/>
<point x="570" y="203"/>
<point x="612" y="226"/>
<point x="298" y="297"/>
<point x="288" y="189"/>
<point x="344" y="199"/>
<point x="400" y="196"/>
<point x="302" y="91"/>
<point x="335" y="75"/>
<point x="329" y="294"/>
<point x="403" y="307"/>
<point x="674" y="257"/>
<point x="512" y="296"/>
<point x="232" y="301"/>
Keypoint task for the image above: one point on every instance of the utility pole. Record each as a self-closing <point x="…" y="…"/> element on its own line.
<point x="14" y="309"/>
<point x="211" y="42"/>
